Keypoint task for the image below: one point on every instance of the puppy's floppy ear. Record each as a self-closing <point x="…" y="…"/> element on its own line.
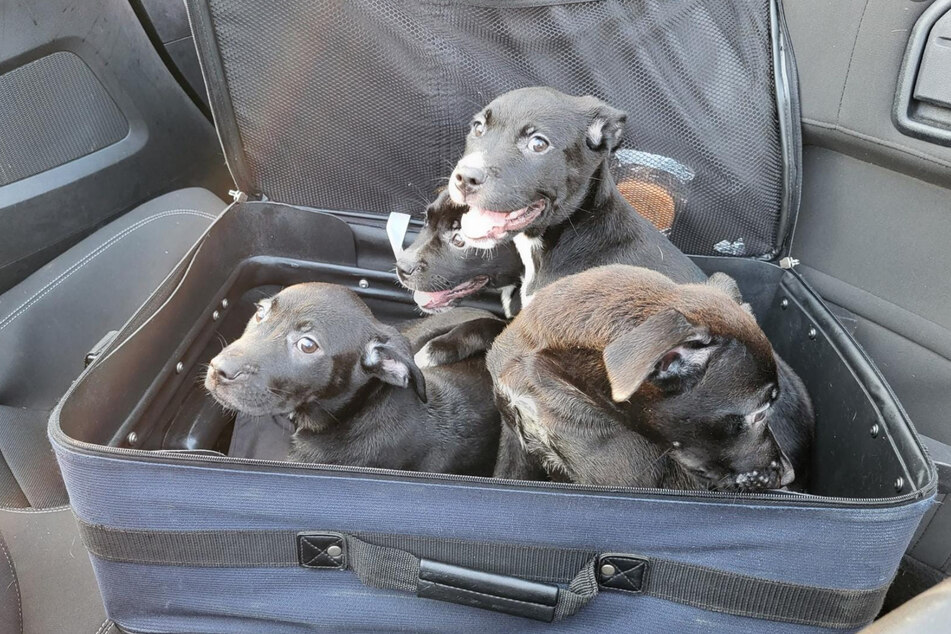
<point x="389" y="358"/>
<point x="605" y="127"/>
<point x="728" y="285"/>
<point x="665" y="349"/>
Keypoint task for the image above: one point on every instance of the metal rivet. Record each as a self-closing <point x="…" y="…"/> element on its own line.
<point x="215" y="315"/>
<point x="335" y="551"/>
<point x="813" y="333"/>
<point x="784" y="304"/>
<point x="874" y="430"/>
<point x="899" y="484"/>
<point x="607" y="570"/>
<point x="364" y="283"/>
<point x="224" y="303"/>
<point x="179" y="367"/>
<point x="132" y="438"/>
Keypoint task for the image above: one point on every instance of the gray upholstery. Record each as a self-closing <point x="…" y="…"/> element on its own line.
<point x="49" y="321"/>
<point x="56" y="591"/>
<point x="928" y="612"/>
<point x="78" y="114"/>
<point x="11" y="610"/>
<point x="849" y="53"/>
<point x="874" y="242"/>
<point x="52" y="319"/>
<point x="47" y="325"/>
<point x="874" y="222"/>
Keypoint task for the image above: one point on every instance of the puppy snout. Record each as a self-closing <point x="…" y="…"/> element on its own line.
<point x="404" y="268"/>
<point x="469" y="178"/>
<point x="227" y="370"/>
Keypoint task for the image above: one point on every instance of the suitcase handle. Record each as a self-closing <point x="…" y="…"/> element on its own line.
<point x="488" y="591"/>
<point x="395" y="569"/>
<point x="388" y="561"/>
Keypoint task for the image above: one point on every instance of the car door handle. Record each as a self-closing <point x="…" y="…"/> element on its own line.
<point x="923" y="97"/>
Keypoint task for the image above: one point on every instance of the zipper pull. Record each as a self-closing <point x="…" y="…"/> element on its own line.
<point x="396" y="226"/>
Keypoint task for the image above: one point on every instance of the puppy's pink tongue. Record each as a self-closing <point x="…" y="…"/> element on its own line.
<point x="431" y="300"/>
<point x="478" y="224"/>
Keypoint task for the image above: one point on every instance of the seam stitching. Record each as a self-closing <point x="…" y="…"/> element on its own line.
<point x="848" y="69"/>
<point x="28" y="509"/>
<point x="16" y="583"/>
<point x="59" y="279"/>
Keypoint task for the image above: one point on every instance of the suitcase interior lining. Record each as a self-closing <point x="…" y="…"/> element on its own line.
<point x="848" y="460"/>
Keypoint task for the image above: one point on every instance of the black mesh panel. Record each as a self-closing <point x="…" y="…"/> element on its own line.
<point x="363" y="105"/>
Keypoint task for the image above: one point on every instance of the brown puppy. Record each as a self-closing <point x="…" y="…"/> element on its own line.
<point x="639" y="381"/>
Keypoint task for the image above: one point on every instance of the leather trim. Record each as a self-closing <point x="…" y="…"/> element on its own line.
<point x="312" y="550"/>
<point x="485" y="601"/>
<point x="630" y="573"/>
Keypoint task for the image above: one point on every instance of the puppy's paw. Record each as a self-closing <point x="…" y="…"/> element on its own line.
<point x="438" y="351"/>
<point x="424" y="358"/>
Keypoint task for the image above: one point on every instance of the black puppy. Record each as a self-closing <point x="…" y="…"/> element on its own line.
<point x="442" y="270"/>
<point x="546" y="155"/>
<point x="791" y="418"/>
<point x="536" y="171"/>
<point x="353" y="391"/>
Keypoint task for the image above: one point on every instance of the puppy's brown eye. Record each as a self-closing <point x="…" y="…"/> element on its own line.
<point x="538" y="144"/>
<point x="457" y="241"/>
<point x="478" y="128"/>
<point x="307" y="345"/>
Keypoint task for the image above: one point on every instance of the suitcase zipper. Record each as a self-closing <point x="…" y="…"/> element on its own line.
<point x="204" y="459"/>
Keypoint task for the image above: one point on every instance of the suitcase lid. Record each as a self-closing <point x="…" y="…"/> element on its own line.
<point x="364" y="105"/>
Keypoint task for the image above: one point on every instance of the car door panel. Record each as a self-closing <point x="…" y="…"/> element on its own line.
<point x="874" y="222"/>
<point x="849" y="54"/>
<point x="95" y="126"/>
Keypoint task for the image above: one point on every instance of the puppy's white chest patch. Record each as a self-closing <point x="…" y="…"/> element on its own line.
<point x="507" y="300"/>
<point x="424" y="359"/>
<point x="528" y="249"/>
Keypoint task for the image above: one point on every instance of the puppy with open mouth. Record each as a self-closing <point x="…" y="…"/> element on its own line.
<point x="352" y="387"/>
<point x="442" y="270"/>
<point x="536" y="172"/>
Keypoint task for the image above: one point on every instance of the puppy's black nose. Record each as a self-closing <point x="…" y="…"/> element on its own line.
<point x="226" y="369"/>
<point x="469" y="178"/>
